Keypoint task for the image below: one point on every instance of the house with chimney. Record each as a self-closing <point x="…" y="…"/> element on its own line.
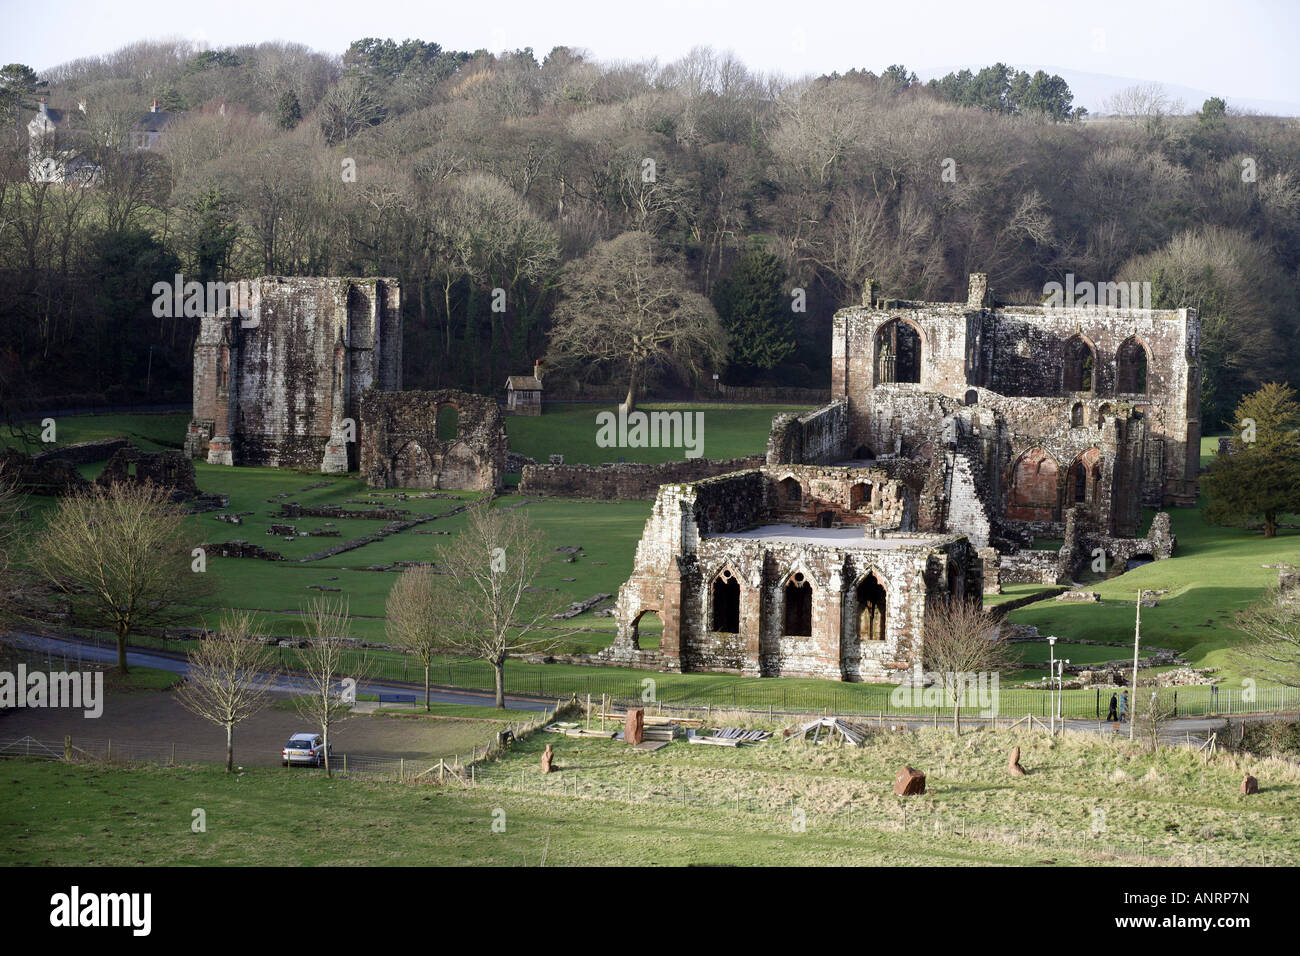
<point x="59" y="142"/>
<point x="524" y="392"/>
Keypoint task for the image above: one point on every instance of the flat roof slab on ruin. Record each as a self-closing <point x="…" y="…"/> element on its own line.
<point x="839" y="538"/>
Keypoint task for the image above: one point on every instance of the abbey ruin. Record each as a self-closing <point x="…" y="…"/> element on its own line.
<point x="957" y="434"/>
<point x="278" y="378"/>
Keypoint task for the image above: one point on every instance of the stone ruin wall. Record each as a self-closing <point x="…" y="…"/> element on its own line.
<point x="402" y="445"/>
<point x="679" y="554"/>
<point x="816" y="437"/>
<point x="276" y="385"/>
<point x="624" y="481"/>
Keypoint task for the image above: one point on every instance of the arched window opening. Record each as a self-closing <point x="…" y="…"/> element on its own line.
<point x="1034" y="495"/>
<point x="1131" y="368"/>
<point x="860" y="495"/>
<point x="726" y="603"/>
<point x="898" y="353"/>
<point x="1080" y="362"/>
<point x="448" y="422"/>
<point x="1076" y="415"/>
<point x="791" y="493"/>
<point x="871" y="609"/>
<point x="798" y="607"/>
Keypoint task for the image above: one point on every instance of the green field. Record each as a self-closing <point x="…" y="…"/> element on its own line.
<point x="1086" y="801"/>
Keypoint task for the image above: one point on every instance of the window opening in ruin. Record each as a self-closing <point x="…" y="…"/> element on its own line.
<point x="798" y="607"/>
<point x="726" y="603"/>
<point x="860" y="495"/>
<point x="1079" y="364"/>
<point x="1103" y="413"/>
<point x="1076" y="415"/>
<point x="1034" y="495"/>
<point x="790" y="490"/>
<point x="1079" y="478"/>
<point x="825" y="519"/>
<point x="448" y="422"/>
<point x="647" y="630"/>
<point x="871" y="609"/>
<point x="972" y="397"/>
<point x="1131" y="374"/>
<point x="898" y="353"/>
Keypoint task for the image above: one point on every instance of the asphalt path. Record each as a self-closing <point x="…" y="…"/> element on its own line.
<point x="282" y="683"/>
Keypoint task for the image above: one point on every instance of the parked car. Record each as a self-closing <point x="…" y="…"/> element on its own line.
<point x="307" y="749"/>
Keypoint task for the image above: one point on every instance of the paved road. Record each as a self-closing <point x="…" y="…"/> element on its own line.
<point x="285" y="683"/>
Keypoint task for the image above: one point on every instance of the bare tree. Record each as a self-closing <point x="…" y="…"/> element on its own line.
<point x="961" y="643"/>
<point x="11" y="505"/>
<point x="230" y="676"/>
<point x="327" y="668"/>
<point x="420" y="618"/>
<point x="491" y="568"/>
<point x="1271" y="649"/>
<point x="1150" y="718"/>
<point x="122" y="557"/>
<point x="629" y="310"/>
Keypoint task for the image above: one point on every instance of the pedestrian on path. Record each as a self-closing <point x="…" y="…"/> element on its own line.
<point x="1110" y="714"/>
<point x="1123" y="706"/>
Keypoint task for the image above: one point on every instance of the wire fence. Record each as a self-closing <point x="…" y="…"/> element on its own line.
<point x="648" y="688"/>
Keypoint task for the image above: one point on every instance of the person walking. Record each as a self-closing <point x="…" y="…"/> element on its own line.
<point x="1110" y="714"/>
<point x="1123" y="706"/>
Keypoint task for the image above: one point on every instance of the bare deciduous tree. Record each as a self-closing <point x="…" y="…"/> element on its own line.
<point x="961" y="643"/>
<point x="326" y="664"/>
<point x="230" y="677"/>
<point x="122" y="556"/>
<point x="1271" y="649"/>
<point x="492" y="568"/>
<point x="420" y="618"/>
<point x="629" y="310"/>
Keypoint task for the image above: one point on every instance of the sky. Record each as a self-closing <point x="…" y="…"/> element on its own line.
<point x="1242" y="50"/>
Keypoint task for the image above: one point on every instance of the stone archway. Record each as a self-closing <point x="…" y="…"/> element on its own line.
<point x="1034" y="493"/>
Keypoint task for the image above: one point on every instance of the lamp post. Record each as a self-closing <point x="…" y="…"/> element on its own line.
<point x="1060" y="690"/>
<point x="1051" y="672"/>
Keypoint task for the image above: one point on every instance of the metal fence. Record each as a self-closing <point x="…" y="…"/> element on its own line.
<point x="765" y="694"/>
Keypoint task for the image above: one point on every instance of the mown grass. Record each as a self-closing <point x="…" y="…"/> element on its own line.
<point x="1086" y="801"/>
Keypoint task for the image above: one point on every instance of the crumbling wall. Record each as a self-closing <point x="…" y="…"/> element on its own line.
<point x="40" y="475"/>
<point x="816" y="437"/>
<point x="278" y="378"/>
<point x="624" y="481"/>
<point x="166" y="469"/>
<point x="402" y="446"/>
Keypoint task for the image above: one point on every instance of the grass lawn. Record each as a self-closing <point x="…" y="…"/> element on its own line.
<point x="1086" y="801"/>
<point x="730" y="431"/>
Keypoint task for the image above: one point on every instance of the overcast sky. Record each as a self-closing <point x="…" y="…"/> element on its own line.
<point x="1241" y="49"/>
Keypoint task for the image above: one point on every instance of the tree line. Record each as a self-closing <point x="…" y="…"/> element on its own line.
<point x="491" y="184"/>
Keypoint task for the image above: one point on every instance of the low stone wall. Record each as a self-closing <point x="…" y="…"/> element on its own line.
<point x="626" y="481"/>
<point x="1031" y="567"/>
<point x="83" y="453"/>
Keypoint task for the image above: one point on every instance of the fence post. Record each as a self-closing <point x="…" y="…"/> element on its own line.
<point x="67" y="748"/>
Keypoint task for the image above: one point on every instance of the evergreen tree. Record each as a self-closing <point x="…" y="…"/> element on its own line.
<point x="289" y="111"/>
<point x="1260" y="477"/>
<point x="756" y="313"/>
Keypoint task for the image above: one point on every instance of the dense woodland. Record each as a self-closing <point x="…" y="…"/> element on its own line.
<point x="462" y="173"/>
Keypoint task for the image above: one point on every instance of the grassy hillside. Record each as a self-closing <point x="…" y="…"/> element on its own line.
<point x="1085" y="802"/>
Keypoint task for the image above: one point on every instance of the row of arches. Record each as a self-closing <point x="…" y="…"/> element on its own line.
<point x="797" y="605"/>
<point x="1036" y="492"/>
<point x="790" y="493"/>
<point x="1131" y="366"/>
<point x="899" y="355"/>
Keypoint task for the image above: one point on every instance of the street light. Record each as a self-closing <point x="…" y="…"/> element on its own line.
<point x="1051" y="672"/>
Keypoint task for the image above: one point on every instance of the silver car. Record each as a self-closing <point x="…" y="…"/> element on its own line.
<point x="306" y="749"/>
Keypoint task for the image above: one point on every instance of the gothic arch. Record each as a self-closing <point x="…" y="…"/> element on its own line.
<point x="899" y="351"/>
<point x="724" y="602"/>
<point x="1079" y="373"/>
<point x="1034" y="492"/>
<point x="871" y="603"/>
<point x="1132" y="367"/>
<point x="797" y="605"/>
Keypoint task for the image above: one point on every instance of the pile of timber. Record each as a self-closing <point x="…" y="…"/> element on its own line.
<point x="650" y="719"/>
<point x="731" y="737"/>
<point x="828" y="727"/>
